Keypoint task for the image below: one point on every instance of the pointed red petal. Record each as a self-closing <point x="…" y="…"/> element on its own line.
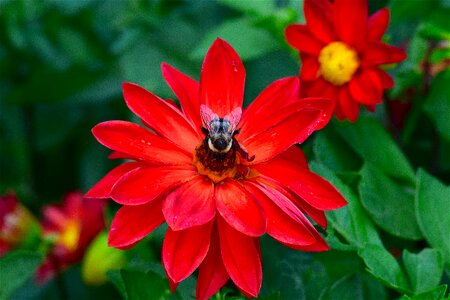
<point x="191" y="204"/>
<point x="310" y="68"/>
<point x="319" y="246"/>
<point x="350" y="20"/>
<point x="133" y="223"/>
<point x="212" y="274"/>
<point x="347" y="105"/>
<point x="280" y="225"/>
<point x="160" y="116"/>
<point x="366" y="87"/>
<point x="311" y="187"/>
<point x="318" y="17"/>
<point x="102" y="189"/>
<point x="317" y="215"/>
<point x="386" y="80"/>
<point x="278" y="94"/>
<point x="187" y="91"/>
<point x="378" y="23"/>
<point x="184" y="250"/>
<point x="145" y="184"/>
<point x="239" y="208"/>
<point x="299" y="37"/>
<point x="241" y="258"/>
<point x="222" y="79"/>
<point x="378" y="53"/>
<point x="294" y="155"/>
<point x="139" y="143"/>
<point x="296" y="123"/>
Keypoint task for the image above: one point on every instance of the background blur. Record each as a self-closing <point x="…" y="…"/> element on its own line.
<point x="62" y="63"/>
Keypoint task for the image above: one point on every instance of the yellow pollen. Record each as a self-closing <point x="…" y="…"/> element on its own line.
<point x="338" y="63"/>
<point x="70" y="236"/>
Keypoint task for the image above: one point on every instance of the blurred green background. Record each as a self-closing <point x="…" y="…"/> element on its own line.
<point x="62" y="63"/>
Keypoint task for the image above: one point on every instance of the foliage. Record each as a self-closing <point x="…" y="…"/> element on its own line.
<point x="61" y="68"/>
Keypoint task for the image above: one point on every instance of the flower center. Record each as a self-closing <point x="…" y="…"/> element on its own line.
<point x="70" y="235"/>
<point x="338" y="63"/>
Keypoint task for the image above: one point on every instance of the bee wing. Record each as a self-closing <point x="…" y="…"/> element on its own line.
<point x="207" y="116"/>
<point x="234" y="117"/>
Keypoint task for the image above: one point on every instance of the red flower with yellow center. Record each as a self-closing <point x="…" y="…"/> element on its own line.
<point x="218" y="176"/>
<point x="70" y="226"/>
<point x="341" y="52"/>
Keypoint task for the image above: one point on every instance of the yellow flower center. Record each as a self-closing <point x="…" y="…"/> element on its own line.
<point x="338" y="63"/>
<point x="70" y="236"/>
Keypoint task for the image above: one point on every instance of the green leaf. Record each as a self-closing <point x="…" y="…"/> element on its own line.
<point x="350" y="221"/>
<point x="389" y="203"/>
<point x="248" y="41"/>
<point x="256" y="8"/>
<point x="382" y="265"/>
<point x="356" y="286"/>
<point x="434" y="294"/>
<point x="140" y="285"/>
<point x="331" y="150"/>
<point x="437" y="105"/>
<point x="424" y="269"/>
<point x="15" y="269"/>
<point x="432" y="209"/>
<point x="370" y="140"/>
<point x="115" y="276"/>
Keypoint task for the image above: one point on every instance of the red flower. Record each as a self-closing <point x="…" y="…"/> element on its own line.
<point x="222" y="186"/>
<point x="341" y="51"/>
<point x="71" y="226"/>
<point x="16" y="223"/>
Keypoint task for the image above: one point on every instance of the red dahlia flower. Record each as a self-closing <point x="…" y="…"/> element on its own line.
<point x="341" y="52"/>
<point x="220" y="178"/>
<point x="70" y="226"/>
<point x="16" y="223"/>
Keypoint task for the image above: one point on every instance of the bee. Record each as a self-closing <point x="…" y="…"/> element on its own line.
<point x="220" y="132"/>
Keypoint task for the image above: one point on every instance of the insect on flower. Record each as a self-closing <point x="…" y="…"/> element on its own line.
<point x="220" y="177"/>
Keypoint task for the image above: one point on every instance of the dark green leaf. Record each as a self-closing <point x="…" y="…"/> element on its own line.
<point x="15" y="269"/>
<point x="437" y="104"/>
<point x="250" y="43"/>
<point x="115" y="276"/>
<point x="432" y="208"/>
<point x="381" y="264"/>
<point x="140" y="285"/>
<point x="356" y="286"/>
<point x="350" y="221"/>
<point x="434" y="294"/>
<point x="424" y="269"/>
<point x="389" y="203"/>
<point x="370" y="140"/>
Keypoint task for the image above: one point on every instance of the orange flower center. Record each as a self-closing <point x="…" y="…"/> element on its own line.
<point x="219" y="166"/>
<point x="70" y="235"/>
<point x="338" y="63"/>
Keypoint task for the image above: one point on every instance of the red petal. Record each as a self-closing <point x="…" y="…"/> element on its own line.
<point x="145" y="184"/>
<point x="280" y="225"/>
<point x="377" y="24"/>
<point x="212" y="274"/>
<point x="187" y="91"/>
<point x="366" y="87"/>
<point x="386" y="80"/>
<point x="191" y="204"/>
<point x="241" y="258"/>
<point x="310" y="68"/>
<point x="222" y="79"/>
<point x="298" y="121"/>
<point x="347" y="105"/>
<point x="102" y="189"/>
<point x="299" y="37"/>
<point x="294" y="155"/>
<point x="183" y="251"/>
<point x="278" y="94"/>
<point x="139" y="143"/>
<point x="318" y="17"/>
<point x="377" y="53"/>
<point x="162" y="117"/>
<point x="239" y="208"/>
<point x="319" y="246"/>
<point x="311" y="187"/>
<point x="133" y="223"/>
<point x="350" y="20"/>
<point x="119" y="155"/>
